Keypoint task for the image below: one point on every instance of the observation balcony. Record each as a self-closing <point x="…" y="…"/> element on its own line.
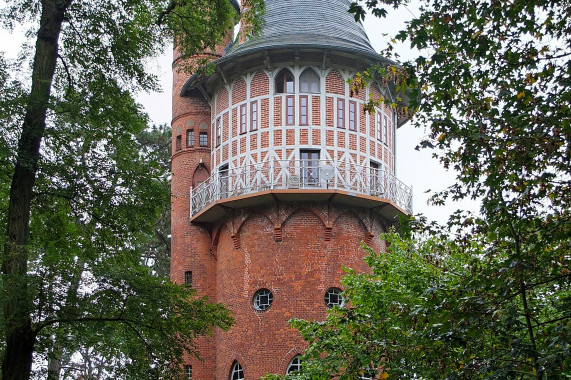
<point x="299" y="180"/>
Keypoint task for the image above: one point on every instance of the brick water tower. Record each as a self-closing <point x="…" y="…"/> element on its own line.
<point x="278" y="175"/>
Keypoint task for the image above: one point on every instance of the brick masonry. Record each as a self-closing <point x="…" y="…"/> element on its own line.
<point x="296" y="250"/>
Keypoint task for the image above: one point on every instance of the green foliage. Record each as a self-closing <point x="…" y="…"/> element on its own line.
<point x="84" y="279"/>
<point x="432" y="308"/>
<point x="489" y="295"/>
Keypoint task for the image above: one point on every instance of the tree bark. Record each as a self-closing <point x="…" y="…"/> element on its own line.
<point x="54" y="362"/>
<point x="17" y="305"/>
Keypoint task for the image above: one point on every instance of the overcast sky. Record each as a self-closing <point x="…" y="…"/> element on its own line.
<point x="415" y="168"/>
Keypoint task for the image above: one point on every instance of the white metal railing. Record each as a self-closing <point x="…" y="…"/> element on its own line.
<point x="300" y="174"/>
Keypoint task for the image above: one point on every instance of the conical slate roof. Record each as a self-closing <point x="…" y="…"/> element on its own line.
<point x="308" y="24"/>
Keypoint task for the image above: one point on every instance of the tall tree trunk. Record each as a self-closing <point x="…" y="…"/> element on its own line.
<point x="20" y="333"/>
<point x="54" y="362"/>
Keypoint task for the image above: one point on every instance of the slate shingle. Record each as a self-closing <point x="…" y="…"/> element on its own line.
<point x="308" y="23"/>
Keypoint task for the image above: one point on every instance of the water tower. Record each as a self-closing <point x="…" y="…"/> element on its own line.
<point x="278" y="176"/>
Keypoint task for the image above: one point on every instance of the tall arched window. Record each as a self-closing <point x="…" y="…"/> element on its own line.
<point x="285" y="82"/>
<point x="237" y="373"/>
<point x="309" y="82"/>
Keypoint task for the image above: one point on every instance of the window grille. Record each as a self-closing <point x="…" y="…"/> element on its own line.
<point x="243" y="118"/>
<point x="188" y="278"/>
<point x="237" y="372"/>
<point x="290" y="112"/>
<point x="309" y="82"/>
<point x="352" y="116"/>
<point x="263" y="299"/>
<point x="303" y="110"/>
<point x="203" y="139"/>
<point x="254" y="115"/>
<point x="333" y="297"/>
<point x="294" y="365"/>
<point x="340" y="113"/>
<point x="284" y="82"/>
<point x="178" y="142"/>
<point x="190" y="138"/>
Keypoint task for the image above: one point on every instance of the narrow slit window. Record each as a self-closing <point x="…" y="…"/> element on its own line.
<point x="391" y="134"/>
<point x="290" y="110"/>
<point x="254" y="115"/>
<point x="340" y="113"/>
<point x="386" y="130"/>
<point x="178" y="145"/>
<point x="218" y="131"/>
<point x="352" y="116"/>
<point x="243" y="118"/>
<point x="188" y="277"/>
<point x="378" y="125"/>
<point x="303" y="112"/>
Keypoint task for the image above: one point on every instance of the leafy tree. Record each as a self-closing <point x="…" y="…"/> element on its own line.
<point x="157" y="250"/>
<point x="81" y="195"/>
<point x="493" y="82"/>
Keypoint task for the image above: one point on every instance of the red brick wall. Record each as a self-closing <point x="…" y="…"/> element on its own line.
<point x="260" y="85"/>
<point x="298" y="270"/>
<point x="239" y="91"/>
<point x="335" y="84"/>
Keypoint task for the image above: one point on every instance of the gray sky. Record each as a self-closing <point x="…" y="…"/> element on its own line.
<point x="415" y="168"/>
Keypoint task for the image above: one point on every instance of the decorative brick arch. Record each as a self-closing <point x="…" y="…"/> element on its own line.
<point x="239" y="91"/>
<point x="222" y="100"/>
<point x="201" y="174"/>
<point x="299" y="210"/>
<point x="250" y="216"/>
<point x="335" y="83"/>
<point x="259" y="85"/>
<point x="292" y="353"/>
<point x="367" y="234"/>
<point x="237" y="359"/>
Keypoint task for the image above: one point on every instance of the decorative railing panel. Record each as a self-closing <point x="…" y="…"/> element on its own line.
<point x="291" y="174"/>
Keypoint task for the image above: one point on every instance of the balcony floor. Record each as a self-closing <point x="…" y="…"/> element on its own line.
<point x="218" y="210"/>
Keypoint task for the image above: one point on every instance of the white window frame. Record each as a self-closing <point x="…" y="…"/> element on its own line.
<point x="334" y="291"/>
<point x="258" y="299"/>
<point x="237" y="372"/>
<point x="294" y="365"/>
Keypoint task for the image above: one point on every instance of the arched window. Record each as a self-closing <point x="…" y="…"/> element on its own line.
<point x="237" y="372"/>
<point x="285" y="82"/>
<point x="309" y="82"/>
<point x="294" y="365"/>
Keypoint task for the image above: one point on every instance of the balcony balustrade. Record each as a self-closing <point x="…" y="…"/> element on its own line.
<point x="300" y="174"/>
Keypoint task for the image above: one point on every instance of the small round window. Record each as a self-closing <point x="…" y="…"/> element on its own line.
<point x="263" y="299"/>
<point x="333" y="297"/>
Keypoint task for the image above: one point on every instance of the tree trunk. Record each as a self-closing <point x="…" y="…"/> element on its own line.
<point x="20" y="333"/>
<point x="54" y="362"/>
